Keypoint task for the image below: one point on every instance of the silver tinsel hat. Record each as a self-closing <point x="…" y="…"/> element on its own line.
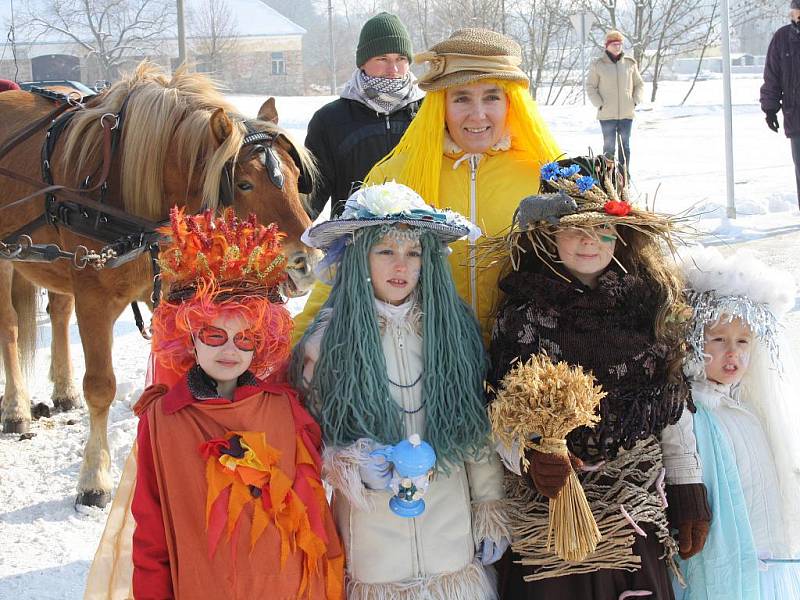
<point x="738" y="286"/>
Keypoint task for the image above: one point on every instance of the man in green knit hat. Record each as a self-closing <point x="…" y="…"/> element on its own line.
<point x="349" y="135"/>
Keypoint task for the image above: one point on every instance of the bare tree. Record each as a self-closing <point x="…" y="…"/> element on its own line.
<point x="112" y="31"/>
<point x="213" y="34"/>
<point x="658" y="29"/>
<point x="550" y="56"/>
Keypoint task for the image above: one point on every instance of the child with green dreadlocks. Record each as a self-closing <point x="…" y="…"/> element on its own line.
<point x="396" y="352"/>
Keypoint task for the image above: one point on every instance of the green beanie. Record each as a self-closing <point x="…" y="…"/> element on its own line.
<point x="383" y="34"/>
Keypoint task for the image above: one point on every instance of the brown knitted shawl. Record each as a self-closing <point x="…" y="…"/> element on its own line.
<point x="608" y="330"/>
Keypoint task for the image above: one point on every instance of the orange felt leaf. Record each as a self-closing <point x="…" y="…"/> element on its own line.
<point x="279" y="486"/>
<point x="260" y="522"/>
<point x="251" y="476"/>
<point x="334" y="578"/>
<point x="257" y="441"/>
<point x="240" y="495"/>
<point x="217" y="480"/>
<point x="303" y="456"/>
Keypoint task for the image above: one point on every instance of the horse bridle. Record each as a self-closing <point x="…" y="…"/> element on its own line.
<point x="263" y="141"/>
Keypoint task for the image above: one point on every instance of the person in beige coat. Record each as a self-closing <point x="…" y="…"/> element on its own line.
<point x="395" y="352"/>
<point x="615" y="87"/>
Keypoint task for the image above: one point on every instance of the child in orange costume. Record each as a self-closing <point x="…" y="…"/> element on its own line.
<point x="228" y="501"/>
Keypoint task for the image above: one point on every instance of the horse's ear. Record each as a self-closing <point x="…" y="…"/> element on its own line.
<point x="221" y="125"/>
<point x="268" y="112"/>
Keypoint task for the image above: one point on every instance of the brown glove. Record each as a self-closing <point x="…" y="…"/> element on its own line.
<point x="690" y="514"/>
<point x="692" y="537"/>
<point x="549" y="472"/>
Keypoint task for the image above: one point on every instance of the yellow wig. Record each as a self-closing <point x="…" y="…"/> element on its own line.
<point x="423" y="141"/>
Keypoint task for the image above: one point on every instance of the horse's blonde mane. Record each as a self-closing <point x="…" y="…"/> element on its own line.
<point x="163" y="115"/>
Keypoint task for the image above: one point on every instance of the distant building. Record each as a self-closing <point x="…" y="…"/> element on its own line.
<point x="259" y="51"/>
<point x="741" y="62"/>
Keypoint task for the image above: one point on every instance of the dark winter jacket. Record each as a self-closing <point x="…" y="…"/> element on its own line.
<point x="781" y="89"/>
<point x="348" y="138"/>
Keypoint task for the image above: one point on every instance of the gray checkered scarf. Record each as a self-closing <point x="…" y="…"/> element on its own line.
<point x="381" y="94"/>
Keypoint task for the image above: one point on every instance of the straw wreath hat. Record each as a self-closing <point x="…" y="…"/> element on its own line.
<point x="581" y="192"/>
<point x="586" y="191"/>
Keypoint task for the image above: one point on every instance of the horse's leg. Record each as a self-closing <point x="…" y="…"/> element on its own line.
<point x="96" y="313"/>
<point x="65" y="395"/>
<point x="16" y="410"/>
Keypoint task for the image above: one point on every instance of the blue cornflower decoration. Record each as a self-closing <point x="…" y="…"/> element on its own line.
<point x="585" y="183"/>
<point x="569" y="171"/>
<point x="550" y="171"/>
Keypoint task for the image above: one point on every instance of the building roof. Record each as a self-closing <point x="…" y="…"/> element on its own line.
<point x="251" y="18"/>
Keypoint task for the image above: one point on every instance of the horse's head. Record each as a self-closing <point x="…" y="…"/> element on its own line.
<point x="267" y="178"/>
<point x="182" y="143"/>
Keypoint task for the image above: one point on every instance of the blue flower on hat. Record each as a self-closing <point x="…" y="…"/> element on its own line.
<point x="569" y="171"/>
<point x="585" y="183"/>
<point x="550" y="171"/>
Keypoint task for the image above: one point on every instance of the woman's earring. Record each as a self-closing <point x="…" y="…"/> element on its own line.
<point x="369" y="279"/>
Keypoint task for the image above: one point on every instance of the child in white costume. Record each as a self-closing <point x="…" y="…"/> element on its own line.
<point x="395" y="352"/>
<point x="745" y="388"/>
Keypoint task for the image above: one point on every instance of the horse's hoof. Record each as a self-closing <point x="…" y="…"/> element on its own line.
<point x="16" y="426"/>
<point x="66" y="403"/>
<point x="93" y="498"/>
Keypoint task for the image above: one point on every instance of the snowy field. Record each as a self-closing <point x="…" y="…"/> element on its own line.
<point x="677" y="161"/>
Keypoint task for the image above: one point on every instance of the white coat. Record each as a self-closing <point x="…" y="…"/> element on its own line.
<point x="431" y="556"/>
<point x="615" y="88"/>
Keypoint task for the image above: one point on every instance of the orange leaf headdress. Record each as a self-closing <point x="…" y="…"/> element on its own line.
<point x="226" y="251"/>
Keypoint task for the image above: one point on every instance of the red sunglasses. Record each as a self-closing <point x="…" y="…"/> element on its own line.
<point x="216" y="337"/>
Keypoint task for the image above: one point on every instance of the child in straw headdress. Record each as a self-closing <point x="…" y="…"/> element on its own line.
<point x="228" y="500"/>
<point x="744" y="384"/>
<point x="589" y="285"/>
<point x="396" y="352"/>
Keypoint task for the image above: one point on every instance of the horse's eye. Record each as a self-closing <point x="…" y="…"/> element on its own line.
<point x="244" y="186"/>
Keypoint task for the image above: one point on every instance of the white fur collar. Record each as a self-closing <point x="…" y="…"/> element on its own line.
<point x="403" y="316"/>
<point x="713" y="395"/>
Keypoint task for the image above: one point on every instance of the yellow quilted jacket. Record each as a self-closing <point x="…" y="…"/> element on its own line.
<point x="487" y="191"/>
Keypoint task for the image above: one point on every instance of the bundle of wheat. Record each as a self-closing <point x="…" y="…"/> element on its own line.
<point x="539" y="398"/>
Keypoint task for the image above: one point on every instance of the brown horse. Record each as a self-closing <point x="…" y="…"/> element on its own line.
<point x="180" y="143"/>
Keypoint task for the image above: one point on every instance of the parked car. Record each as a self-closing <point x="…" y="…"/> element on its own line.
<point x="63" y="85"/>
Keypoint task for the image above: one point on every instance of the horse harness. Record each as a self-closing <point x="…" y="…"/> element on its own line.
<point x="125" y="237"/>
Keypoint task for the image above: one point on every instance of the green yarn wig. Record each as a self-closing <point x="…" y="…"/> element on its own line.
<point x="349" y="391"/>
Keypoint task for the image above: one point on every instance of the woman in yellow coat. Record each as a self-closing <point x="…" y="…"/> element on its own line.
<point x="475" y="146"/>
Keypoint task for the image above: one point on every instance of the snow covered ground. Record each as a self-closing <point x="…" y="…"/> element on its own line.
<point x="677" y="161"/>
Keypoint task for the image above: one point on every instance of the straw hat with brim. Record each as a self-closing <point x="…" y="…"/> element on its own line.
<point x="586" y="191"/>
<point x="323" y="236"/>
<point x="389" y="204"/>
<point x="470" y="55"/>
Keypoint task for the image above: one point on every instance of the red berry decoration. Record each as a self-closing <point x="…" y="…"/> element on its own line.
<point x="617" y="208"/>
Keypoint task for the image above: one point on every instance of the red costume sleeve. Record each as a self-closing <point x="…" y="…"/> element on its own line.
<point x="152" y="579"/>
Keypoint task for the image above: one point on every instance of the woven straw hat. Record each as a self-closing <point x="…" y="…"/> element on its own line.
<point x="585" y="191"/>
<point x="470" y="55"/>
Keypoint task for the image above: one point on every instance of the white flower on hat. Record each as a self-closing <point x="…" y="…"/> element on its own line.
<point x="390" y="198"/>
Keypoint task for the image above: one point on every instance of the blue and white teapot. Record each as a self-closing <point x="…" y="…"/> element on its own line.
<point x="413" y="461"/>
